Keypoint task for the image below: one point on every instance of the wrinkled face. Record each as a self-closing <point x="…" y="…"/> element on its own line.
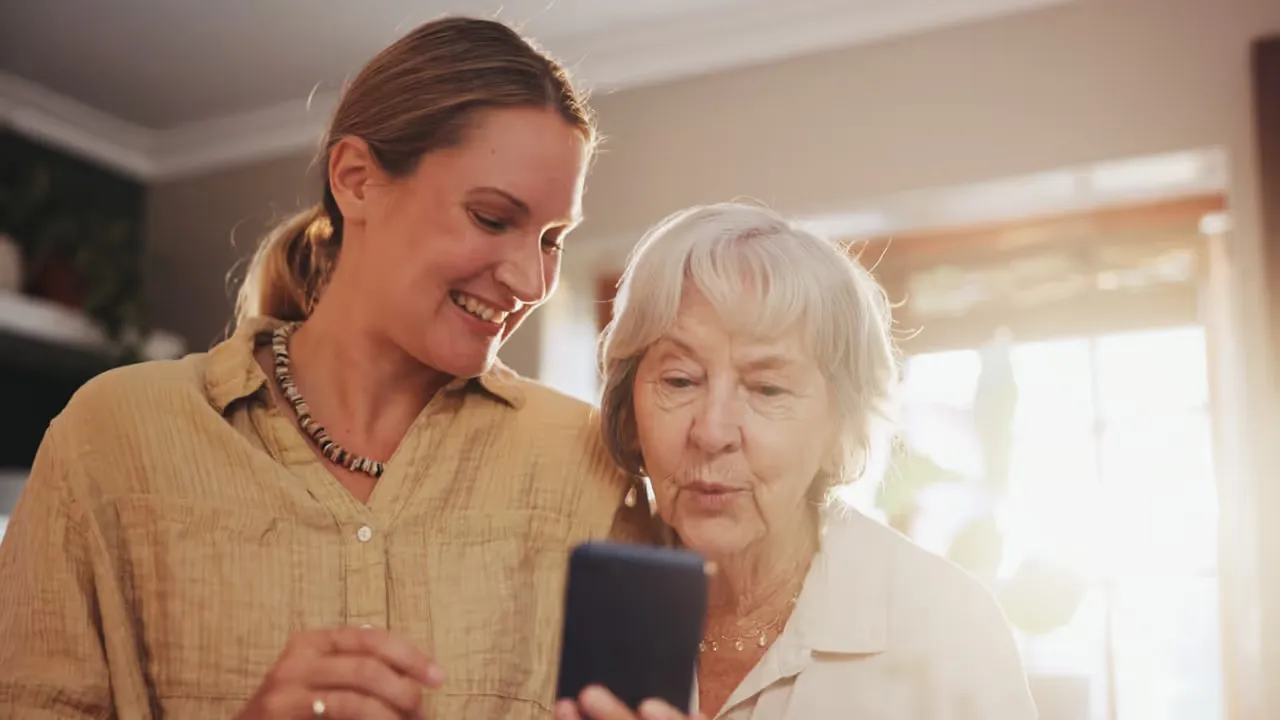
<point x="732" y="429"/>
<point x="456" y="255"/>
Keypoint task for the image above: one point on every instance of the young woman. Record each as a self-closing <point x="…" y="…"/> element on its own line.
<point x="281" y="527"/>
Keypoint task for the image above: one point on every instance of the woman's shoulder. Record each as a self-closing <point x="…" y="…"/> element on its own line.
<point x="118" y="423"/>
<point x="537" y="402"/>
<point x="551" y="433"/>
<point x="920" y="613"/>
<point x="924" y="586"/>
<point x="546" y="400"/>
<point x="139" y="395"/>
<point x="562" y="423"/>
<point x="554" y="419"/>
<point x="141" y="384"/>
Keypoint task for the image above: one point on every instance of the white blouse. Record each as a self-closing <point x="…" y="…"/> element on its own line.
<point x="884" y="630"/>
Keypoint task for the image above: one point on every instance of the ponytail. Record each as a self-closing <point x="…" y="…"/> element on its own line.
<point x="291" y="266"/>
<point x="278" y="283"/>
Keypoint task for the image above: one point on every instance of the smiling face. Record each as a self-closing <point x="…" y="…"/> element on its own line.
<point x="458" y="253"/>
<point x="733" y="430"/>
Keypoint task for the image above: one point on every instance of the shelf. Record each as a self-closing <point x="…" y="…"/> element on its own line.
<point x="39" y="333"/>
<point x="47" y="352"/>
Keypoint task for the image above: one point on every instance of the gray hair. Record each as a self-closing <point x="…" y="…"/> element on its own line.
<point x="762" y="274"/>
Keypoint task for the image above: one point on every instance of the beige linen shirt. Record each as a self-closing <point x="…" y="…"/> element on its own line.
<point x="177" y="529"/>
<point x="884" y="630"/>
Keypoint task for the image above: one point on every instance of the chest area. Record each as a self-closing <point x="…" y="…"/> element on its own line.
<point x="889" y="685"/>
<point x="216" y="593"/>
<point x="217" y="580"/>
<point x="720" y="674"/>
<point x="359" y="485"/>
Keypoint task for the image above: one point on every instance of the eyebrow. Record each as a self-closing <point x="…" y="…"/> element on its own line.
<point x="521" y="206"/>
<point x="772" y="361"/>
<point x="679" y="344"/>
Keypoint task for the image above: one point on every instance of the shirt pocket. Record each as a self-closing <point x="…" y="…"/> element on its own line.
<point x="495" y="588"/>
<point x="217" y="592"/>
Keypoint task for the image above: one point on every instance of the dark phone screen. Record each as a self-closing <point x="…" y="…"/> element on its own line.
<point x="633" y="620"/>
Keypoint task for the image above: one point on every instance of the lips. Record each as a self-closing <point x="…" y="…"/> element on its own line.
<point x="711" y="498"/>
<point x="712" y="488"/>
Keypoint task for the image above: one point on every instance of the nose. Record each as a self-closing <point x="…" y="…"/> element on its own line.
<point x="717" y="427"/>
<point x="523" y="270"/>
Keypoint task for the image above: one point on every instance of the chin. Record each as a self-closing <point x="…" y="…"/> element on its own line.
<point x="714" y="537"/>
<point x="459" y="359"/>
<point x="467" y="365"/>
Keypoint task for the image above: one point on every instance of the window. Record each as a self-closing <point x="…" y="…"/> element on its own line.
<point x="1110" y="474"/>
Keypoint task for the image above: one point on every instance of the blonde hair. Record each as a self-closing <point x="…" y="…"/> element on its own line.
<point x="416" y="96"/>
<point x="763" y="275"/>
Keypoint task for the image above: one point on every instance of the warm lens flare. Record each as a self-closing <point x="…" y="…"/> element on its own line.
<point x="1104" y="541"/>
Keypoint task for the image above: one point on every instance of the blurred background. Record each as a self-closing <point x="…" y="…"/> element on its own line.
<point x="1076" y="204"/>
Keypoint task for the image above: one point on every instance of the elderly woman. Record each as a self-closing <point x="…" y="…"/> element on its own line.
<point x="748" y="368"/>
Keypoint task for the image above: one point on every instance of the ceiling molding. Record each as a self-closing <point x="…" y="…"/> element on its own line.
<point x="628" y="58"/>
<point x="151" y="155"/>
<point x="289" y="128"/>
<point x="39" y="113"/>
<point x="761" y="33"/>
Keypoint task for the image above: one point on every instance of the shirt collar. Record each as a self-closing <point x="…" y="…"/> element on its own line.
<point x="232" y="373"/>
<point x="499" y="381"/>
<point x="844" y="606"/>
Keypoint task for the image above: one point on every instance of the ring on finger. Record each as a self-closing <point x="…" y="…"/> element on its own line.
<point x="318" y="708"/>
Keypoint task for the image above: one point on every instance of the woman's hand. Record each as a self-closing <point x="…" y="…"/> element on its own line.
<point x="345" y="673"/>
<point x="597" y="703"/>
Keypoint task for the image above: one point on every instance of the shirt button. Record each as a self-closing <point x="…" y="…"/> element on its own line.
<point x="364" y="533"/>
<point x="366" y="626"/>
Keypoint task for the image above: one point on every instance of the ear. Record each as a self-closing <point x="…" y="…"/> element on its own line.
<point x="351" y="171"/>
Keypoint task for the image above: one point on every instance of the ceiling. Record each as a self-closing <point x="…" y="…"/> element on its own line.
<point x="159" y="74"/>
<point x="162" y="63"/>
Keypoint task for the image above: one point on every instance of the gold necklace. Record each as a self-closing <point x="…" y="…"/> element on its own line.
<point x="335" y="453"/>
<point x="759" y="633"/>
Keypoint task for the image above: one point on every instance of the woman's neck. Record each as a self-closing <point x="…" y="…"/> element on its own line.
<point x="354" y="379"/>
<point x="763" y="578"/>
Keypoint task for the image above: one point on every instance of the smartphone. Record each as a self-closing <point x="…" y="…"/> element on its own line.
<point x="633" y="618"/>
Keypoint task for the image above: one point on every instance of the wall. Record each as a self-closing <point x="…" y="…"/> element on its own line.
<point x="1089" y="80"/>
<point x="199" y="228"/>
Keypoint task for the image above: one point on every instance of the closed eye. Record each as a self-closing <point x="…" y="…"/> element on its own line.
<point x="768" y="390"/>
<point x="489" y="224"/>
